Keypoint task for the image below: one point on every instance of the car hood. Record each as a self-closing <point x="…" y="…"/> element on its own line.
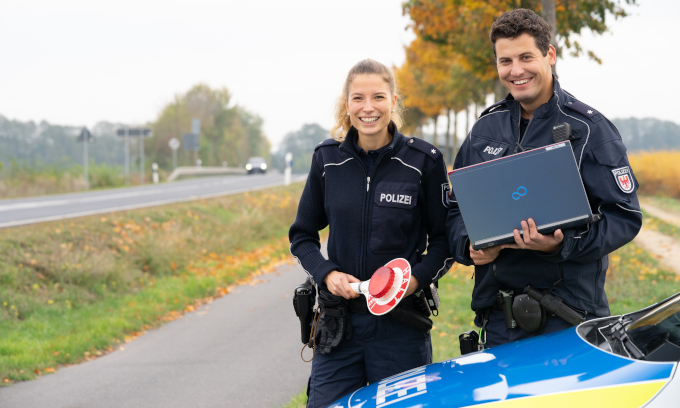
<point x="556" y="369"/>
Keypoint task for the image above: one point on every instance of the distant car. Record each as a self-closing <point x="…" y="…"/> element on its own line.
<point x="256" y="165"/>
<point x="618" y="361"/>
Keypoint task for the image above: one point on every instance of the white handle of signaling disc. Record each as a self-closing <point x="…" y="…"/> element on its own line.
<point x="360" y="288"/>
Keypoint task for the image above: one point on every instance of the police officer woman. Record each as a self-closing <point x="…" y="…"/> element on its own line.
<point x="383" y="196"/>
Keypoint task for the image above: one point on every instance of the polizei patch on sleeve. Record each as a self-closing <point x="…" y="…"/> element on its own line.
<point x="624" y="179"/>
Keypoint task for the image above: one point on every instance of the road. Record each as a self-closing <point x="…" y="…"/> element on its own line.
<point x="22" y="211"/>
<point x="243" y="350"/>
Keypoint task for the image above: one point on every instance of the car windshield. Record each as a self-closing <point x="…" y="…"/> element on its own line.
<point x="256" y="160"/>
<point x="657" y="328"/>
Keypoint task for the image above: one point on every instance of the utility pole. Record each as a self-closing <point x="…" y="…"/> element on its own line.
<point x="85" y="137"/>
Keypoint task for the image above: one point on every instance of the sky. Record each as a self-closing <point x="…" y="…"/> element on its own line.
<point x="80" y="62"/>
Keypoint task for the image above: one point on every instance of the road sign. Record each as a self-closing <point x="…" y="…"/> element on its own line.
<point x="146" y="132"/>
<point x="196" y="126"/>
<point x="84" y="135"/>
<point x="174" y="143"/>
<point x="190" y="142"/>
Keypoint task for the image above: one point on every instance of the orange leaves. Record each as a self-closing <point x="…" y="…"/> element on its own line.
<point x="173" y="266"/>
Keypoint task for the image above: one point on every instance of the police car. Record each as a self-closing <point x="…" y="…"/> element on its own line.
<point x="619" y="361"/>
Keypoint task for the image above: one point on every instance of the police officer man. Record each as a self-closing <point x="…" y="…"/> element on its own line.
<point x="570" y="264"/>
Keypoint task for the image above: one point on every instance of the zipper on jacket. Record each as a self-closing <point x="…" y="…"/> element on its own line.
<point x="364" y="233"/>
<point x="518" y="145"/>
<point x="362" y="256"/>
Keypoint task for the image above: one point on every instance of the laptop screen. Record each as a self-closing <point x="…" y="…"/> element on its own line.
<point x="543" y="184"/>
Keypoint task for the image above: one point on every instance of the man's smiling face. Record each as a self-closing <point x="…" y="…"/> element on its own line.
<point x="525" y="71"/>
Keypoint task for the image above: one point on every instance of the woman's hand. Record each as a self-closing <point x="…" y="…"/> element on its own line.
<point x="338" y="284"/>
<point x="412" y="286"/>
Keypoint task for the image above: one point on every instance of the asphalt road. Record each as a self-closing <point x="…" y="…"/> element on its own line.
<point x="22" y="211"/>
<point x="243" y="350"/>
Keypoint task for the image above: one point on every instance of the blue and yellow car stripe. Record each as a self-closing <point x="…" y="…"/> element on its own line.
<point x="554" y="370"/>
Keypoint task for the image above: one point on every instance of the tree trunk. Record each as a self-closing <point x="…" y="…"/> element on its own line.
<point x="467" y="120"/>
<point x="455" y="135"/>
<point x="434" y="136"/>
<point x="448" y="128"/>
<point x="499" y="90"/>
<point x="550" y="17"/>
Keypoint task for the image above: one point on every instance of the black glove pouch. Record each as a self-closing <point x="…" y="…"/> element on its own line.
<point x="528" y="313"/>
<point x="334" y="323"/>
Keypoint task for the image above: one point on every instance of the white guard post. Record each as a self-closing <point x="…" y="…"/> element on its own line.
<point x="289" y="168"/>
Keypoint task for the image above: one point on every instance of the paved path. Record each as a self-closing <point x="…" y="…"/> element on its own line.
<point x="664" y="247"/>
<point x="668" y="216"/>
<point x="22" y="211"/>
<point x="244" y="352"/>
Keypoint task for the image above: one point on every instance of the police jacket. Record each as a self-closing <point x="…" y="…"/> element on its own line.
<point x="581" y="262"/>
<point x="395" y="211"/>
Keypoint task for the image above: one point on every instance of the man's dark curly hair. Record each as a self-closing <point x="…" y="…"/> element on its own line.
<point x="512" y="24"/>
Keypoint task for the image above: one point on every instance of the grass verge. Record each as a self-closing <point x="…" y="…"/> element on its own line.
<point x="70" y="291"/>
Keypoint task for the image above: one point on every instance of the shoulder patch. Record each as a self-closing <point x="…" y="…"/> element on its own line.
<point x="327" y="142"/>
<point x="584" y="110"/>
<point x="493" y="107"/>
<point x="423" y="146"/>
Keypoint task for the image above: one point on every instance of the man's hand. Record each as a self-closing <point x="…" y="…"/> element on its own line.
<point x="486" y="255"/>
<point x="532" y="239"/>
<point x="338" y="284"/>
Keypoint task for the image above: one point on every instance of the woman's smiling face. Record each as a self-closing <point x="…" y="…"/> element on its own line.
<point x="370" y="104"/>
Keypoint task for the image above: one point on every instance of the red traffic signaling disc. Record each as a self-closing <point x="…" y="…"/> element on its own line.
<point x="381" y="282"/>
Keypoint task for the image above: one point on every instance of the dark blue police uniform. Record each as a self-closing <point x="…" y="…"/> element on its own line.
<point x="577" y="270"/>
<point x="379" y="206"/>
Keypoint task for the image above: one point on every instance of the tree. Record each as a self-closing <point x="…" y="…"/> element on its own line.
<point x="301" y="144"/>
<point x="228" y="133"/>
<point x="434" y="80"/>
<point x="465" y="24"/>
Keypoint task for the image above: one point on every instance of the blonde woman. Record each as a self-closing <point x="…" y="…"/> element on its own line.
<point x="383" y="196"/>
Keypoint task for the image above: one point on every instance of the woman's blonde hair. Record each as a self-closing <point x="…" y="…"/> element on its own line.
<point x="365" y="67"/>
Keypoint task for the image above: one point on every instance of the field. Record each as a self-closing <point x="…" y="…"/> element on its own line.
<point x="658" y="173"/>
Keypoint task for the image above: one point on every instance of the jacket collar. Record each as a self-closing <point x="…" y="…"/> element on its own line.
<point x="394" y="145"/>
<point x="547" y="109"/>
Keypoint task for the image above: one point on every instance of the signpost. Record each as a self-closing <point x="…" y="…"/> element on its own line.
<point x="190" y="143"/>
<point x="174" y="145"/>
<point x="85" y="137"/>
<point x="141" y="133"/>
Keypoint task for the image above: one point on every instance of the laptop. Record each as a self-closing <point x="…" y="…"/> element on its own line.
<point x="543" y="184"/>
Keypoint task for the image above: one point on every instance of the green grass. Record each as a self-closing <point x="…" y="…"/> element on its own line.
<point x="73" y="290"/>
<point x="298" y="401"/>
